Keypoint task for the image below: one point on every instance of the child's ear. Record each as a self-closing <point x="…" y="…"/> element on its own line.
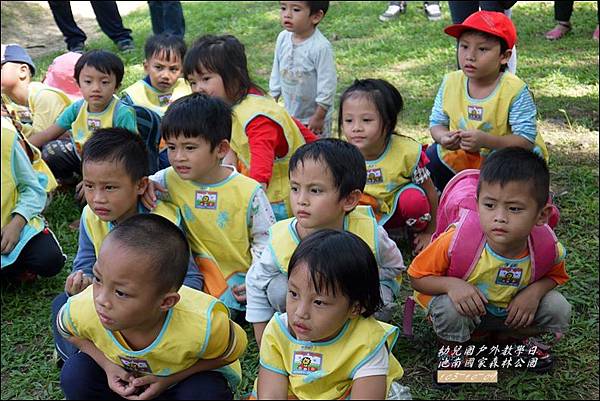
<point x="141" y="185"/>
<point x="145" y="64"/>
<point x="317" y="17"/>
<point x="544" y="215"/>
<point x="504" y="58"/>
<point x="351" y="200"/>
<point x="169" y="300"/>
<point x="356" y="310"/>
<point x="24" y="72"/>
<point x="222" y="148"/>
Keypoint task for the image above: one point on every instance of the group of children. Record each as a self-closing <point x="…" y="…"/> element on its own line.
<point x="255" y="215"/>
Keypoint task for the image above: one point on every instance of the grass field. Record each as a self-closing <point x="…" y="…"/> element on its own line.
<point x="414" y="54"/>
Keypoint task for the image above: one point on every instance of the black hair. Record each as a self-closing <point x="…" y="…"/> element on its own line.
<point x="198" y="116"/>
<point x="315" y="6"/>
<point x="489" y="36"/>
<point x="224" y="55"/>
<point x="162" y="242"/>
<point x="103" y="61"/>
<point x="521" y="165"/>
<point x="118" y="145"/>
<point x="382" y="94"/>
<point x="344" y="160"/>
<point x="340" y="261"/>
<point x="171" y="45"/>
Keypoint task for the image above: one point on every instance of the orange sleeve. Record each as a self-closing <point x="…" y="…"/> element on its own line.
<point x="433" y="260"/>
<point x="559" y="273"/>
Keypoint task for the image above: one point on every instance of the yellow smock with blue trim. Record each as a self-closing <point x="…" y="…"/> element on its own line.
<point x="143" y="94"/>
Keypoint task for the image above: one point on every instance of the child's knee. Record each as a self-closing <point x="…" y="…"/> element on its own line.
<point x="75" y="374"/>
<point x="554" y="312"/>
<point x="448" y="324"/>
<point x="277" y="292"/>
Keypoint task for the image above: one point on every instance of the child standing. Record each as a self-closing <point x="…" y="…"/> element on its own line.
<point x="99" y="74"/>
<point x="327" y="345"/>
<point x="33" y="105"/>
<point x="399" y="187"/>
<point x="115" y="175"/>
<point x="304" y="66"/>
<point x="496" y="269"/>
<point x="224" y="212"/>
<point x="327" y="178"/>
<point x="28" y="246"/>
<point x="140" y="332"/>
<point x="264" y="135"/>
<point x="481" y="107"/>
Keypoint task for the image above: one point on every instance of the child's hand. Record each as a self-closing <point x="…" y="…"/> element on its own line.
<point x="11" y="232"/>
<point x="421" y="240"/>
<point x="472" y="140"/>
<point x="149" y="196"/>
<point x="521" y="310"/>
<point x="468" y="299"/>
<point x="451" y="140"/>
<point x="77" y="282"/>
<point x="80" y="193"/>
<point x="316" y="124"/>
<point x="239" y="293"/>
<point x="119" y="380"/>
<point x="149" y="387"/>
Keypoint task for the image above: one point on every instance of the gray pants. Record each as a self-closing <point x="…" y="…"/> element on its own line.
<point x="553" y="315"/>
<point x="277" y="292"/>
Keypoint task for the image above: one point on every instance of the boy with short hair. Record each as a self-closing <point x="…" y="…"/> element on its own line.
<point x="33" y="106"/>
<point x="481" y="107"/>
<point x="327" y="178"/>
<point x="140" y="332"/>
<point x="303" y="70"/>
<point x="496" y="268"/>
<point x="223" y="210"/>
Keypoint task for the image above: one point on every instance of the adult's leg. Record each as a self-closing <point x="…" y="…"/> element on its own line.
<point x="173" y="20"/>
<point x="63" y="16"/>
<point x="64" y="348"/>
<point x="208" y="385"/>
<point x="492" y="6"/>
<point x="42" y="255"/>
<point x="157" y="16"/>
<point x="110" y="21"/>
<point x="563" y="10"/>
<point x="460" y="10"/>
<point x="81" y="378"/>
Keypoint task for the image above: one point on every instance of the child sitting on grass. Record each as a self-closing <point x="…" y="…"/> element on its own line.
<point x="328" y="345"/>
<point x="327" y="178"/>
<point x="115" y="175"/>
<point x="481" y="107"/>
<point x="140" y="332"/>
<point x="496" y="268"/>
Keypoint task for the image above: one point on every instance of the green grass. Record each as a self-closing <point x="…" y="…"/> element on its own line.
<point x="414" y="55"/>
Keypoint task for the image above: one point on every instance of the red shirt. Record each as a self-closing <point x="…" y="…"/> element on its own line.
<point x="267" y="142"/>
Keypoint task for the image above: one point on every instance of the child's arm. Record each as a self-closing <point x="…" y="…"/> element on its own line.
<point x="275" y="79"/>
<point x="326" y="84"/>
<point x="474" y="140"/>
<point x="391" y="263"/>
<point x="522" y="308"/>
<point x="369" y="388"/>
<point x="81" y="276"/>
<point x="448" y="139"/>
<point x="126" y="118"/>
<point x="156" y="182"/>
<point x="41" y="138"/>
<point x="271" y="385"/>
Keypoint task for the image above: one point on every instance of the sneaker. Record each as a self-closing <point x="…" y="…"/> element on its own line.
<point x="78" y="48"/>
<point x="126" y="45"/>
<point x="432" y="11"/>
<point x="539" y="351"/>
<point x="393" y="11"/>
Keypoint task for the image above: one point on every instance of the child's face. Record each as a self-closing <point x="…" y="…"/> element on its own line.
<point x="97" y="87"/>
<point x="109" y="190"/>
<point x="362" y="126"/>
<point x="209" y="83"/>
<point x="479" y="57"/>
<point x="507" y="215"/>
<point x="295" y="17"/>
<point x="192" y="158"/>
<point x="315" y="199"/>
<point x="125" y="295"/>
<point x="313" y="316"/>
<point x="163" y="71"/>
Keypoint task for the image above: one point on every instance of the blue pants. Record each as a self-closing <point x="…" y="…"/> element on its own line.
<point x="82" y="378"/>
<point x="167" y="17"/>
<point x="64" y="348"/>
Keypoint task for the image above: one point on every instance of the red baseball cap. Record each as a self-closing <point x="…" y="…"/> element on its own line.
<point x="492" y="22"/>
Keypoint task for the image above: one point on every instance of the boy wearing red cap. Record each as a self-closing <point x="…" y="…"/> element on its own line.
<point x="481" y="107"/>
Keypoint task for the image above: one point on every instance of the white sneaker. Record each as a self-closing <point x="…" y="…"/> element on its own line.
<point x="432" y="11"/>
<point x="393" y="11"/>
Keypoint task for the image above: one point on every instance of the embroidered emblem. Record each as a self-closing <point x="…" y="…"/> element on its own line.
<point x="374" y="176"/>
<point x="165" y="99"/>
<point x="138" y="367"/>
<point x="206" y="200"/>
<point x="93" y="124"/>
<point x="306" y="362"/>
<point x="475" y="113"/>
<point x="509" y="275"/>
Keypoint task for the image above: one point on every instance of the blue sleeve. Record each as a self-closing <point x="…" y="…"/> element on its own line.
<point x="125" y="118"/>
<point x="66" y="118"/>
<point x="32" y="196"/>
<point x="126" y="99"/>
<point x="326" y="76"/>
<point x="522" y="116"/>
<point x="86" y="255"/>
<point x="193" y="278"/>
<point x="438" y="117"/>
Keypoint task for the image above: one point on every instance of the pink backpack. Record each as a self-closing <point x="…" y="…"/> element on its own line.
<point x="60" y="75"/>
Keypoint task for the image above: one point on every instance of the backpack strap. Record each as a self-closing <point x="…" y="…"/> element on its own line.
<point x="466" y="246"/>
<point x="542" y="251"/>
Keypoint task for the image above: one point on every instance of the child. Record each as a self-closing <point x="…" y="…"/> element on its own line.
<point x="304" y="66"/>
<point x="398" y="184"/>
<point x="28" y="246"/>
<point x="327" y="178"/>
<point x="264" y="136"/>
<point x="163" y="84"/>
<point x="115" y="170"/>
<point x="495" y="269"/>
<point x="34" y="106"/>
<point x="328" y="345"/>
<point x="60" y="74"/>
<point x="481" y="107"/>
<point x="140" y="332"/>
<point x="99" y="74"/>
<point x="224" y="211"/>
